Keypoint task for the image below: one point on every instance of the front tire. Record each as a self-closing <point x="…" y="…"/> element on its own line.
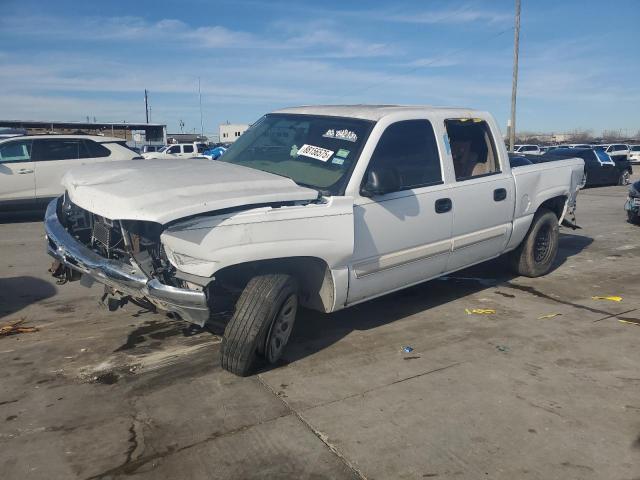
<point x="537" y="252"/>
<point x="624" y="178"/>
<point x="261" y="324"/>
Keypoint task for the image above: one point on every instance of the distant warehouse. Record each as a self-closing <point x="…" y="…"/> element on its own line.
<point x="229" y="132"/>
<point x="132" y="133"/>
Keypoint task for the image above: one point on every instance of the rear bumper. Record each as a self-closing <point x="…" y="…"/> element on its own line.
<point x="189" y="304"/>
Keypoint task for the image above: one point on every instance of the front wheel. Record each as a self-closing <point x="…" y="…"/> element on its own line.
<point x="538" y="250"/>
<point x="261" y="324"/>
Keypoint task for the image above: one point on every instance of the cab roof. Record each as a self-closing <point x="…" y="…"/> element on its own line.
<point x="95" y="138"/>
<point x="376" y="112"/>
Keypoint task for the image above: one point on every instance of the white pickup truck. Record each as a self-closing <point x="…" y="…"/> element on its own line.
<point x="323" y="207"/>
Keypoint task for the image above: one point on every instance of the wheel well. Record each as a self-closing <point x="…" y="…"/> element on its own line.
<point x="555" y="204"/>
<point x="312" y="274"/>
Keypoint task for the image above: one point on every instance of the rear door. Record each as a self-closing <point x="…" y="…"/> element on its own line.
<point x="483" y="195"/>
<point x="187" y="151"/>
<point x="17" y="172"/>
<point x="54" y="157"/>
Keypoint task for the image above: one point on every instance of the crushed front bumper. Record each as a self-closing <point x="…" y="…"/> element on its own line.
<point x="191" y="305"/>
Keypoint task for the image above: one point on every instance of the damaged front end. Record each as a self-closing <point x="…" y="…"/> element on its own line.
<point x="124" y="255"/>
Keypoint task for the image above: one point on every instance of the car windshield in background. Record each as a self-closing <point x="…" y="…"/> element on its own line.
<point x="635" y="148"/>
<point x="314" y="151"/>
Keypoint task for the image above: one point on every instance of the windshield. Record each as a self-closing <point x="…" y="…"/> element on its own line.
<point x="315" y="151"/>
<point x="635" y="148"/>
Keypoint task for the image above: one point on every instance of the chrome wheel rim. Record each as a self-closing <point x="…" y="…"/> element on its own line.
<point x="542" y="244"/>
<point x="281" y="329"/>
<point x="625" y="178"/>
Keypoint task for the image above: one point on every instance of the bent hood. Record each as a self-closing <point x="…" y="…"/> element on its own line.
<point x="165" y="190"/>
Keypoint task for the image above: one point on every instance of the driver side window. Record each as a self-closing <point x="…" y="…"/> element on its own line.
<point x="16" y="151"/>
<point x="407" y="150"/>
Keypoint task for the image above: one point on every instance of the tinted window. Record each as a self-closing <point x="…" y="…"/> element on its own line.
<point x="201" y="147"/>
<point x="472" y="148"/>
<point x="602" y="156"/>
<point x="174" y="149"/>
<point x="17" y="151"/>
<point x="60" y="149"/>
<point x="409" y="148"/>
<point x="187" y="148"/>
<point x="529" y="149"/>
<point x="96" y="150"/>
<point x="635" y="148"/>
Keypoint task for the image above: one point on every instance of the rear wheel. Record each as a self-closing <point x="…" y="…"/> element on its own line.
<point x="632" y="217"/>
<point x="261" y="324"/>
<point x="538" y="250"/>
<point x="624" y="177"/>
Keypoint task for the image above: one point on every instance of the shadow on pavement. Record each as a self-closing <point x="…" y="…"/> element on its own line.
<point x="315" y="331"/>
<point x="17" y="293"/>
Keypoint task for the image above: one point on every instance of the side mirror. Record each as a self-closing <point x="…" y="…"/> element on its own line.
<point x="380" y="181"/>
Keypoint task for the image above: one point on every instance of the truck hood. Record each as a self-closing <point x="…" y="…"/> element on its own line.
<point x="165" y="190"/>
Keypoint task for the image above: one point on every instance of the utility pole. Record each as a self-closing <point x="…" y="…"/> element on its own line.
<point x="146" y="104"/>
<point x="200" y="98"/>
<point x="514" y="82"/>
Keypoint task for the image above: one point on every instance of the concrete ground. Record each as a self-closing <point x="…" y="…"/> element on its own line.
<point x="96" y="395"/>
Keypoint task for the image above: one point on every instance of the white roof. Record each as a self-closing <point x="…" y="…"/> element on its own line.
<point x="95" y="138"/>
<point x="374" y="112"/>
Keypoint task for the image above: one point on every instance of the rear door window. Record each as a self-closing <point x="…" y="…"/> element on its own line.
<point x="174" y="149"/>
<point x="472" y="148"/>
<point x="96" y="150"/>
<point x="15" y="151"/>
<point x="187" y="148"/>
<point x="58" y="149"/>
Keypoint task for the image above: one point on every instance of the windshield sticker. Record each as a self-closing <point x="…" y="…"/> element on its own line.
<point x="337" y="160"/>
<point x="318" y="153"/>
<point x="345" y="134"/>
<point x="342" y="153"/>
<point x="294" y="151"/>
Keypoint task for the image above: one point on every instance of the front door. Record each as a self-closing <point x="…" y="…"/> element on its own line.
<point x="402" y="236"/>
<point x="17" y="172"/>
<point x="483" y="196"/>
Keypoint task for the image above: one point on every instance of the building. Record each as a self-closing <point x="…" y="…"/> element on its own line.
<point x="229" y="132"/>
<point x="133" y="133"/>
<point x="186" y="138"/>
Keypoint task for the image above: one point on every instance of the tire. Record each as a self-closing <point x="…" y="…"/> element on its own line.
<point x="254" y="325"/>
<point x="535" y="255"/>
<point x="623" y="179"/>
<point x="633" y="218"/>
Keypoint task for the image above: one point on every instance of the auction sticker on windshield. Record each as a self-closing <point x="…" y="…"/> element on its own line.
<point x="318" y="153"/>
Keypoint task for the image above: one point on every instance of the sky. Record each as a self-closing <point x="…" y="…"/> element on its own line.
<point x="66" y="60"/>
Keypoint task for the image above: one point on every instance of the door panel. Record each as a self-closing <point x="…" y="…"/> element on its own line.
<point x="481" y="224"/>
<point x="399" y="241"/>
<point x="17" y="171"/>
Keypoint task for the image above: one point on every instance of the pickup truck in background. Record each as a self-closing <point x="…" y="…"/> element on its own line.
<point x="177" y="150"/>
<point x="528" y="149"/>
<point x="322" y="207"/>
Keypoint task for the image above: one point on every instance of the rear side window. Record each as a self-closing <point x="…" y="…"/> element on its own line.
<point x="16" y="151"/>
<point x="95" y="150"/>
<point x="187" y="148"/>
<point x="59" y="149"/>
<point x="472" y="148"/>
<point x="409" y="148"/>
<point x="201" y="147"/>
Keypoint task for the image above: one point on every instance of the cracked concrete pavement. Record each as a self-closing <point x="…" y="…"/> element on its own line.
<point x="98" y="395"/>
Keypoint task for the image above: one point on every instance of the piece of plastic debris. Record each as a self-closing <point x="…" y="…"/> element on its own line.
<point x="550" y="315"/>
<point x="407" y="349"/>
<point x="13" y="328"/>
<point x="502" y="348"/>
<point x="83" y="350"/>
<point x="611" y="298"/>
<point x="480" y="311"/>
<point x="630" y="323"/>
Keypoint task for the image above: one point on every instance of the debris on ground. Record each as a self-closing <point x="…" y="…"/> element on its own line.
<point x="549" y="315"/>
<point x="629" y="322"/>
<point x="611" y="298"/>
<point x="14" y="328"/>
<point x="480" y="311"/>
<point x="502" y="348"/>
<point x="407" y="349"/>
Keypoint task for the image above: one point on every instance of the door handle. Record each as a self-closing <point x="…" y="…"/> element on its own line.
<point x="499" y="194"/>
<point x="443" y="205"/>
<point x="23" y="171"/>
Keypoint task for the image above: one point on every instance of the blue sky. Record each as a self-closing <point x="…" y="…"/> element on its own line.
<point x="63" y="60"/>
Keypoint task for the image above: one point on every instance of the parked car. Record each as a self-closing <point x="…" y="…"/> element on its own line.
<point x="527" y="149"/>
<point x="151" y="148"/>
<point x="214" y="153"/>
<point x="617" y="151"/>
<point x="31" y="166"/>
<point x="178" y="150"/>
<point x="600" y="168"/>
<point x="323" y="207"/>
<point x="517" y="160"/>
<point x="632" y="205"/>
<point x="634" y="154"/>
